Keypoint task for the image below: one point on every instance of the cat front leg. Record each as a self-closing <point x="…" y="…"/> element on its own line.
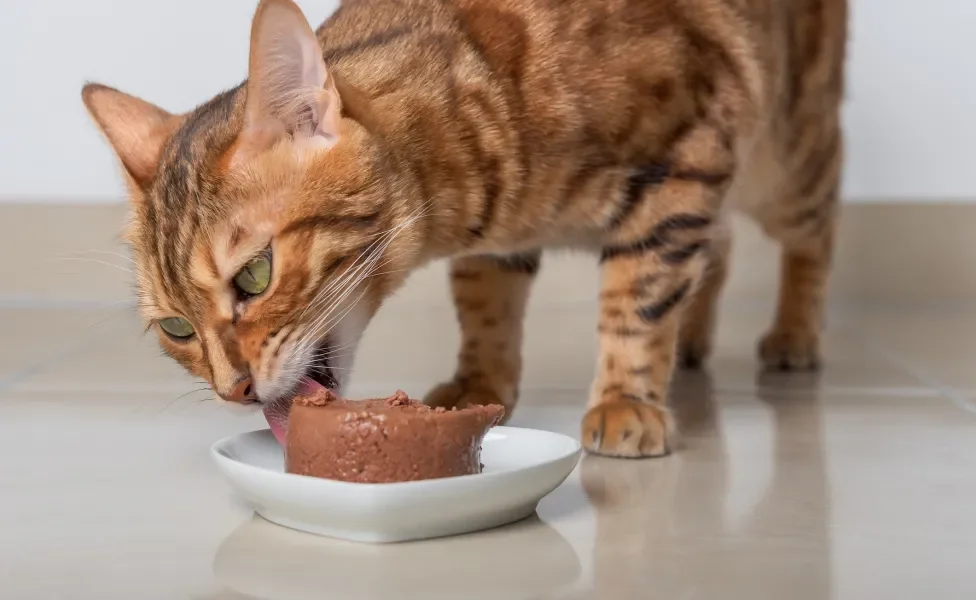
<point x="646" y="285"/>
<point x="490" y="294"/>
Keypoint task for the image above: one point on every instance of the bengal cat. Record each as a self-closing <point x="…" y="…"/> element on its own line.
<point x="270" y="223"/>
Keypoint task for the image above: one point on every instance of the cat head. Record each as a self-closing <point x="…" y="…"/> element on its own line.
<point x="266" y="228"/>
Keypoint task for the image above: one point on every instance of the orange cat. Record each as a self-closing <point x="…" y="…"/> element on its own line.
<point x="270" y="223"/>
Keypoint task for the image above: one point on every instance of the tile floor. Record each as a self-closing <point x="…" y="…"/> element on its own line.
<point x="858" y="483"/>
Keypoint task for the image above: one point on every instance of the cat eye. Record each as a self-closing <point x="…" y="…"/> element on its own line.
<point x="177" y="328"/>
<point x="255" y="276"/>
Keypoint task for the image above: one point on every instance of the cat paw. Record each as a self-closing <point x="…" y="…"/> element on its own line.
<point x="627" y="429"/>
<point x="790" y="350"/>
<point x="452" y="394"/>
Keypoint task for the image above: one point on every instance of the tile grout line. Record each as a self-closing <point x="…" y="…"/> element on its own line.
<point x="944" y="391"/>
<point x="21" y="302"/>
<point x="50" y="360"/>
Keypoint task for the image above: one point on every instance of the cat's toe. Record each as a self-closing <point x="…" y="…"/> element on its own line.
<point x="452" y="394"/>
<point x="692" y="353"/>
<point x="790" y="350"/>
<point x="446" y="395"/>
<point x="627" y="429"/>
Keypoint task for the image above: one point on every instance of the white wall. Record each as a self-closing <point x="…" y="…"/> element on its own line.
<point x="912" y="88"/>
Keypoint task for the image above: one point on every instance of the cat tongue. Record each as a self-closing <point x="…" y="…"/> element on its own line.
<point x="278" y="423"/>
<point x="277" y="412"/>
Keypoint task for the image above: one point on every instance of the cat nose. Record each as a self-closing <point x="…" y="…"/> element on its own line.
<point x="242" y="392"/>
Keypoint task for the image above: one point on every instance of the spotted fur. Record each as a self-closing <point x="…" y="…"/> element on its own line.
<point x="484" y="131"/>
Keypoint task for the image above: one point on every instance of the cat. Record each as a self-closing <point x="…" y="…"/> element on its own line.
<point x="270" y="223"/>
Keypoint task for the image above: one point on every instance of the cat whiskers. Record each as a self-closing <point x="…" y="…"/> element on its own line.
<point x="336" y="293"/>
<point x="184" y="395"/>
<point x="384" y="239"/>
<point x="333" y="351"/>
<point x="138" y="276"/>
<point x="106" y="252"/>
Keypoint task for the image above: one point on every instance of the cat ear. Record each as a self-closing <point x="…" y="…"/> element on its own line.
<point x="135" y="128"/>
<point x="289" y="89"/>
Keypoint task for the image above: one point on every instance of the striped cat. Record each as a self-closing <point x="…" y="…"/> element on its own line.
<point x="270" y="223"/>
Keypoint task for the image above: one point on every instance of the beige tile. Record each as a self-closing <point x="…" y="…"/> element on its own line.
<point x="63" y="252"/>
<point x="938" y="347"/>
<point x="100" y="501"/>
<point x="807" y="497"/>
<point x="851" y="364"/>
<point x="799" y="497"/>
<point x="33" y="337"/>
<point x="119" y="356"/>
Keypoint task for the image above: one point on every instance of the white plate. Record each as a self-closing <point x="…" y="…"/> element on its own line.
<point x="521" y="467"/>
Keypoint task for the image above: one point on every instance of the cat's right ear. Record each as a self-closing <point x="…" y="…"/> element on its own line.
<point x="136" y="129"/>
<point x="290" y="92"/>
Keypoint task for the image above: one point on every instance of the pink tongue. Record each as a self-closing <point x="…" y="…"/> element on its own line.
<point x="277" y="412"/>
<point x="278" y="424"/>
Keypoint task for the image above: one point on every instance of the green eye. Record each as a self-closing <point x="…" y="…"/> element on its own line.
<point x="255" y="277"/>
<point x="177" y="327"/>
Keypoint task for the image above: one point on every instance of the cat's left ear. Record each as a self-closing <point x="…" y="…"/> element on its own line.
<point x="136" y="129"/>
<point x="289" y="89"/>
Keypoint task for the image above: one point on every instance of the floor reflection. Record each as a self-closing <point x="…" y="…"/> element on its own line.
<point x="526" y="560"/>
<point x="662" y="526"/>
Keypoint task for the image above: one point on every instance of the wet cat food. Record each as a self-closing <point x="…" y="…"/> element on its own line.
<point x="384" y="440"/>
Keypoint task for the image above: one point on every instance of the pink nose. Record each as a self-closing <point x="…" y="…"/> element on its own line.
<point x="242" y="392"/>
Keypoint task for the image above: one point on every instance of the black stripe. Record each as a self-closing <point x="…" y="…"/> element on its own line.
<point x="816" y="166"/>
<point x="352" y="257"/>
<point x="332" y="221"/>
<point x="794" y="84"/>
<point x="657" y="311"/>
<point x="635" y="399"/>
<point x="806" y="215"/>
<point x="334" y="265"/>
<point x="598" y="438"/>
<point x="483" y="163"/>
<point x="624" y="332"/>
<point x="691" y="361"/>
<point x="704" y="177"/>
<point x="466" y="275"/>
<point x="681" y="255"/>
<point x="642" y="283"/>
<point x="185" y="240"/>
<point x="376" y="40"/>
<point x="651" y="242"/>
<point x="658" y="237"/>
<point x="678" y="134"/>
<point x="587" y="170"/>
<point x="491" y="189"/>
<point x="652" y="174"/>
<point x="709" y="51"/>
<point x="527" y="263"/>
